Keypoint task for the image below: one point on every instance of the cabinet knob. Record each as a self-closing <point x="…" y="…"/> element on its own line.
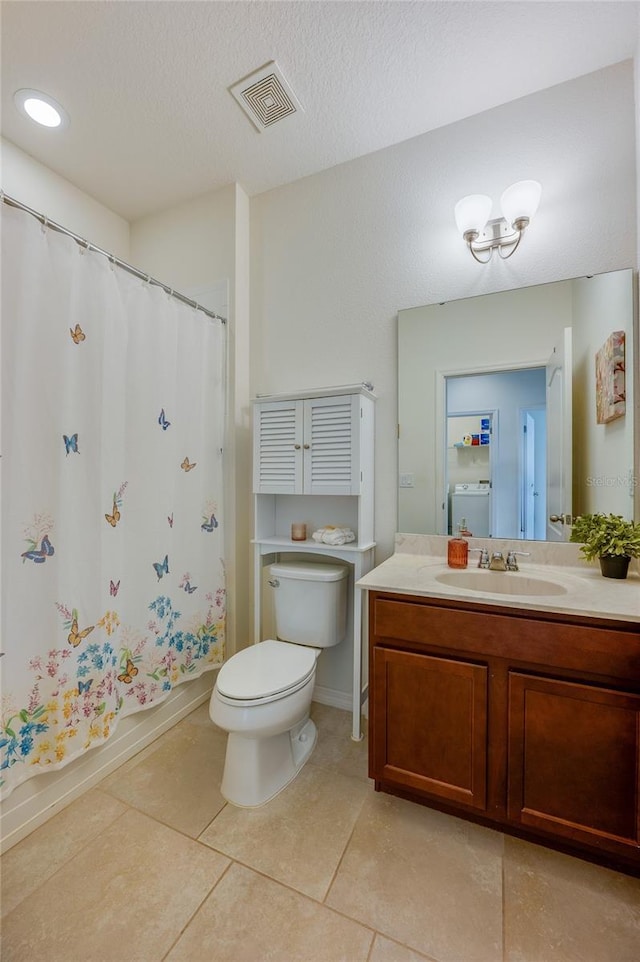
<point x="562" y="518"/>
<point x="306" y="446"/>
<point x="297" y="447"/>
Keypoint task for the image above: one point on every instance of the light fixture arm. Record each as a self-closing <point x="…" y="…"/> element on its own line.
<point x="470" y="236"/>
<point x="513" y="246"/>
<point x="496" y="236"/>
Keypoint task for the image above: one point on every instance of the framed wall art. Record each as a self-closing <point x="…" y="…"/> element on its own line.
<point x="610" y="379"/>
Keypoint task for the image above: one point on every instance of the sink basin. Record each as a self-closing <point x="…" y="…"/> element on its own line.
<point x="500" y="582"/>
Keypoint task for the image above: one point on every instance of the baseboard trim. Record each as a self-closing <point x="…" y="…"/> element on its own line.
<point x="40" y="798"/>
<point x="332" y="697"/>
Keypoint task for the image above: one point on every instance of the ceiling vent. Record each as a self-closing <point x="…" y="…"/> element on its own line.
<point x="265" y="96"/>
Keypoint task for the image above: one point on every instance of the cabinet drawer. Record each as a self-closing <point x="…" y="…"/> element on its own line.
<point x="610" y="651"/>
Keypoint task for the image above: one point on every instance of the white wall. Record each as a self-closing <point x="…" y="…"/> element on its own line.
<point x="334" y="256"/>
<point x="603" y="453"/>
<point x="44" y="191"/>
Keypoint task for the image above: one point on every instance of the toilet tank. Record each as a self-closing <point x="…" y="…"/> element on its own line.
<point x="310" y="602"/>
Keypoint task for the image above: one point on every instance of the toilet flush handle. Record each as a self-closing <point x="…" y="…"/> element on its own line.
<point x="274" y="582"/>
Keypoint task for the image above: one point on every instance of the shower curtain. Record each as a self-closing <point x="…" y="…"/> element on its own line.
<point x="112" y="531"/>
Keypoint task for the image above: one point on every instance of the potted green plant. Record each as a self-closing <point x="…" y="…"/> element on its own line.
<point x="609" y="537"/>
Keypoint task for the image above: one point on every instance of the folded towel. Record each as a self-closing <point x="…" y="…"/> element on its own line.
<point x="333" y="536"/>
<point x="319" y="534"/>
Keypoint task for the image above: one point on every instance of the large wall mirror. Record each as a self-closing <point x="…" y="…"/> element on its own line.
<point x="515" y="409"/>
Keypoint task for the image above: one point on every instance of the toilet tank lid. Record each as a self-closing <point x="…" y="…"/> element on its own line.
<point x="265" y="669"/>
<point x="309" y="571"/>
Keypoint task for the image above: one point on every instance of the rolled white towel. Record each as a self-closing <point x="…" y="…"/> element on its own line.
<point x="333" y="536"/>
<point x="319" y="534"/>
<point x="338" y="536"/>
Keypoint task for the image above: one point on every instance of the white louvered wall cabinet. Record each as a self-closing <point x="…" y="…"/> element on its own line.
<point x="313" y="462"/>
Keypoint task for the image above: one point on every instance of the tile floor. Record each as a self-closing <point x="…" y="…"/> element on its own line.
<point x="153" y="865"/>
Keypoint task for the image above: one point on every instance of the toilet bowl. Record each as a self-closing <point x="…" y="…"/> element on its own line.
<point x="270" y="732"/>
<point x="262" y="695"/>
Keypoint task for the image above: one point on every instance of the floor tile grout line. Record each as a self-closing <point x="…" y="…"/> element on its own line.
<point x="374" y="936"/>
<point x="291" y="888"/>
<point x="344" y="852"/>
<point x="173" y="828"/>
<point x="409" y="948"/>
<point x="196" y="911"/>
<point x="373" y="942"/>
<point x="375" y="933"/>
<point x="305" y="895"/>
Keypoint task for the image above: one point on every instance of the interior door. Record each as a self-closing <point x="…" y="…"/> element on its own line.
<point x="559" y="440"/>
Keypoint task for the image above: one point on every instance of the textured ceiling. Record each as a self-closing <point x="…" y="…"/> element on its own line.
<point x="153" y="123"/>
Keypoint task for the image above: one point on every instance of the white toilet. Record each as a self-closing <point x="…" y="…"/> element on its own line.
<point x="263" y="693"/>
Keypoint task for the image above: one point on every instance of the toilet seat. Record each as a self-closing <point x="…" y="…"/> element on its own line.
<point x="265" y="672"/>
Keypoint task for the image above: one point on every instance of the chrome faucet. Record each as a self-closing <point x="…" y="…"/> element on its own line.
<point x="512" y="556"/>
<point x="483" y="560"/>
<point x="497" y="562"/>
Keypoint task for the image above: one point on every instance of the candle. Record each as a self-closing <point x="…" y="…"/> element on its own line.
<point x="298" y="531"/>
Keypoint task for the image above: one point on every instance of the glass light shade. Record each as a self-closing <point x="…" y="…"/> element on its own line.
<point x="41" y="108"/>
<point x="520" y="200"/>
<point x="472" y="212"/>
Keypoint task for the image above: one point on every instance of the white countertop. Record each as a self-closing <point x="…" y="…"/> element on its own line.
<point x="587" y="593"/>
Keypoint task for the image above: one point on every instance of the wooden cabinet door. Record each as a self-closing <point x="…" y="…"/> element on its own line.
<point x="331" y="445"/>
<point x="429" y="719"/>
<point x="574" y="753"/>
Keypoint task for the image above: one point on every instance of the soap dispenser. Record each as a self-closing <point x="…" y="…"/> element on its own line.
<point x="463" y="530"/>
<point x="457" y="551"/>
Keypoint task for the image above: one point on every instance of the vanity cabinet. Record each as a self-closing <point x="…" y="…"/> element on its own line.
<point x="527" y="722"/>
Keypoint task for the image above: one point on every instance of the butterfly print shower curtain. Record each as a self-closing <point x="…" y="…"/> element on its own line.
<point x="113" y="571"/>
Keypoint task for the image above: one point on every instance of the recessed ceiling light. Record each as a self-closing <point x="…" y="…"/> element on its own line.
<point x="40" y="107"/>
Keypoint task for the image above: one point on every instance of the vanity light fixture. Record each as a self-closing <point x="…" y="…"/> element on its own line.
<point x="41" y="108"/>
<point x="519" y="203"/>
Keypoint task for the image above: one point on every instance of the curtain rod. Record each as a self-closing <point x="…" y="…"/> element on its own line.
<point x="12" y="202"/>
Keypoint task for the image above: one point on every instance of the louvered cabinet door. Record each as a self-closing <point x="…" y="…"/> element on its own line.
<point x="277" y="458"/>
<point x="331" y="452"/>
